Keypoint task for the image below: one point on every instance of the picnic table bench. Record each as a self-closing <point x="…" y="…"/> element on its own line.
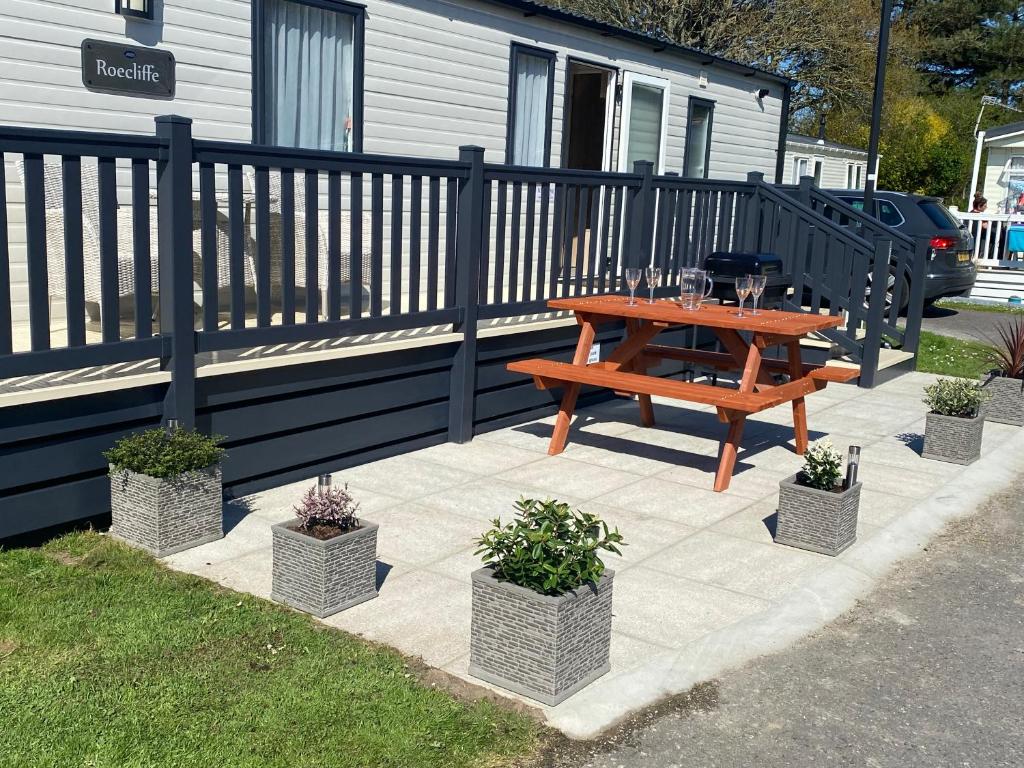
<point x="625" y="369"/>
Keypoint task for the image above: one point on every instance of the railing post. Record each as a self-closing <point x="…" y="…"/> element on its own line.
<point x="640" y="217"/>
<point x="804" y="189"/>
<point x="752" y="220"/>
<point x="915" y="307"/>
<point x="876" y="311"/>
<point x="468" y="251"/>
<point x="174" y="218"/>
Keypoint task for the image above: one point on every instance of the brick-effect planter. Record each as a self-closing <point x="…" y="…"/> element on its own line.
<point x="323" y="577"/>
<point x="820" y="521"/>
<point x="166" y="515"/>
<point x="540" y="646"/>
<point x="1006" y="404"/>
<point x="952" y="438"/>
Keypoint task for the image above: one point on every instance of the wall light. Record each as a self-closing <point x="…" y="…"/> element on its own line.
<point x="135" y="9"/>
<point x="761" y="93"/>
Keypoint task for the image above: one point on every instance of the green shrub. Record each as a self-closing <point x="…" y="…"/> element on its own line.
<point x="549" y="548"/>
<point x="823" y="467"/>
<point x="159" y="454"/>
<point x="955" y="397"/>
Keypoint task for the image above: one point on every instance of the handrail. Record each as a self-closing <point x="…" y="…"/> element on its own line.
<point x="859" y="216"/>
<point x="234" y="153"/>
<point x="529" y="174"/>
<point x="41" y="141"/>
<point x="821" y="221"/>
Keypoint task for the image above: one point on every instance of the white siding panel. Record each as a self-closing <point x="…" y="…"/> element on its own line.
<point x="436" y="78"/>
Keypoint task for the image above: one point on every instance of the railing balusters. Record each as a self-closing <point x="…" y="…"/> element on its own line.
<point x="334" y="245"/>
<point x="557" y="249"/>
<point x="236" y="247"/>
<point x="594" y="236"/>
<point x="208" y="244"/>
<point x="516" y="223"/>
<point x="311" y="193"/>
<point x="6" y="326"/>
<point x="606" y="217"/>
<point x="499" y="245"/>
<point x="483" y="280"/>
<point x="287" y="246"/>
<point x="433" y="240"/>
<point x="376" y="244"/>
<point x="110" y="310"/>
<point x="579" y="260"/>
<point x="396" y="244"/>
<point x="356" y="246"/>
<point x="615" y="270"/>
<point x="531" y="216"/>
<point x="262" y="205"/>
<point x="74" y="257"/>
<point x="542" y="241"/>
<point x="35" y="236"/>
<point x="415" y="211"/>
<point x="449" y="242"/>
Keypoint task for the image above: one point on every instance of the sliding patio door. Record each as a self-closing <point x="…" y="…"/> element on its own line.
<point x="644" y="121"/>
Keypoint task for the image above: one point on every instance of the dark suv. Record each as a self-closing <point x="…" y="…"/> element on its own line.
<point x="952" y="267"/>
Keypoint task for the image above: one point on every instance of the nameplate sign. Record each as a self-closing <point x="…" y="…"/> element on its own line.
<point x="130" y="70"/>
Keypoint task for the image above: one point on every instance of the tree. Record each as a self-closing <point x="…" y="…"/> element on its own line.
<point x="977" y="44"/>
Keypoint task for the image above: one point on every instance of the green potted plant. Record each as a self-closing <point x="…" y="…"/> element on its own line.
<point x="1005" y="383"/>
<point x="954" y="425"/>
<point x="165" y="489"/>
<point x="325" y="559"/>
<point x="542" y="605"/>
<point x="816" y="510"/>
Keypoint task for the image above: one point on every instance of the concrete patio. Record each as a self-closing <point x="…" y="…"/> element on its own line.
<point x="700" y="587"/>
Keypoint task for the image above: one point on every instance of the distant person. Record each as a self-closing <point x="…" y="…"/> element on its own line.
<point x="1020" y="203"/>
<point x="980" y="205"/>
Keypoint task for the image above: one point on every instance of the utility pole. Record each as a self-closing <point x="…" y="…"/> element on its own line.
<point x="876" y="106"/>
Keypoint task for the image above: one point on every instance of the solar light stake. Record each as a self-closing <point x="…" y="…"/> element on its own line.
<point x="171" y="427"/>
<point x="323" y="482"/>
<point x="852" y="463"/>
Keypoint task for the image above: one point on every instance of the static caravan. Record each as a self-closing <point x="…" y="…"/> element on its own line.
<point x="831" y="164"/>
<point x="1004" y="169"/>
<point x="533" y="86"/>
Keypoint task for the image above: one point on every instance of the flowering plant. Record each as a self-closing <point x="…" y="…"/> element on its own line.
<point x="332" y="509"/>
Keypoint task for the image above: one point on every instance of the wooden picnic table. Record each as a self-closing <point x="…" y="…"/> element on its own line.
<point x="625" y="369"/>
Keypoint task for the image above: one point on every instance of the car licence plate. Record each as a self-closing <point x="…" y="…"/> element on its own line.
<point x="963" y="256"/>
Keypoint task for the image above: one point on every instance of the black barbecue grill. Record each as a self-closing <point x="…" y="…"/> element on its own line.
<point x="723" y="267"/>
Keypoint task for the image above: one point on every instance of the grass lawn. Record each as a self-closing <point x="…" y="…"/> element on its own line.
<point x="973" y="306"/>
<point x="952" y="357"/>
<point x="109" y="659"/>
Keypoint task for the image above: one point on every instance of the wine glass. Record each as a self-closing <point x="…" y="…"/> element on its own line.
<point x="633" y="280"/>
<point x="742" y="291"/>
<point x="757" y="284"/>
<point x="653" y="281"/>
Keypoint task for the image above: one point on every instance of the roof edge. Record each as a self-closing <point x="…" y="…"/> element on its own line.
<point x="530" y="8"/>
<point x="1003" y="131"/>
<point x="812" y="141"/>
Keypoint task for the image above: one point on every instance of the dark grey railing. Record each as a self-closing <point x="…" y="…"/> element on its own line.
<point x="255" y="237"/>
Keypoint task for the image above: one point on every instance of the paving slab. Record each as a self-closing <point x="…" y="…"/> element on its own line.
<point x="700" y="586"/>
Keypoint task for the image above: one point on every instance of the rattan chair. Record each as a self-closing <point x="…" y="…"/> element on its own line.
<point x="53" y="187"/>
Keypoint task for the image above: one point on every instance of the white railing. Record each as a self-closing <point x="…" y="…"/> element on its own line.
<point x="991" y="237"/>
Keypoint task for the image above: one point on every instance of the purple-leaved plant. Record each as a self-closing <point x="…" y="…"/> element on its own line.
<point x="332" y="507"/>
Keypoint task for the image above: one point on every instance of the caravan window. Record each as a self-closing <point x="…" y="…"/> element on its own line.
<point x="531" y="90"/>
<point x="644" y="114"/>
<point x="309" y="75"/>
<point x="698" y="138"/>
<point x="799" y="169"/>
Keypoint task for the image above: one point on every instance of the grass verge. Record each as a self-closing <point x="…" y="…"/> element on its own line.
<point x="109" y="659"/>
<point x="952" y="357"/>
<point x="972" y="306"/>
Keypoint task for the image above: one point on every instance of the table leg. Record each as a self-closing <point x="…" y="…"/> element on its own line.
<point x="572" y="390"/>
<point x="727" y="459"/>
<point x="639" y="366"/>
<point x="796" y="370"/>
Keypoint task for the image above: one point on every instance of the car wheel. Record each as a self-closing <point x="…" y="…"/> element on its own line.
<point x="890" y="287"/>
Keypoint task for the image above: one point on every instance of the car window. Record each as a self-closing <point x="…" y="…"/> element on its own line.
<point x="889" y="214"/>
<point x="939" y="215"/>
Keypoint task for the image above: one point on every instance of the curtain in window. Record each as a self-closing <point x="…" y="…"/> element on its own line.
<point x="644" y="140"/>
<point x="698" y="134"/>
<point x="530" y="112"/>
<point x="308" y="60"/>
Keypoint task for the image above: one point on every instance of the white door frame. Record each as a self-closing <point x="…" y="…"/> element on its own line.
<point x="627" y="101"/>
